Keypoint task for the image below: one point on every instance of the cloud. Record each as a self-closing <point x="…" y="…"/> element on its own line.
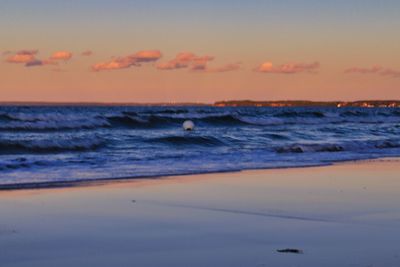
<point x="373" y="69"/>
<point x="182" y="60"/>
<point x="201" y="63"/>
<point x="29" y="59"/>
<point x="376" y="69"/>
<point x="87" y="53"/>
<point x="61" y="55"/>
<point x="147" y="56"/>
<point x="38" y="62"/>
<point x="118" y="63"/>
<point x="390" y="72"/>
<point x="128" y="61"/>
<point x="22" y="56"/>
<point x="289" y="68"/>
<point x="194" y="63"/>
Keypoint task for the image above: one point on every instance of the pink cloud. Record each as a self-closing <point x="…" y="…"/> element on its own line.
<point x="118" y="63"/>
<point x="29" y="59"/>
<point x="22" y="56"/>
<point x="289" y="68"/>
<point x="61" y="55"/>
<point x="201" y="63"/>
<point x="184" y="60"/>
<point x="87" y="53"/>
<point x="378" y="70"/>
<point x="128" y="61"/>
<point x="195" y="63"/>
<point x="147" y="56"/>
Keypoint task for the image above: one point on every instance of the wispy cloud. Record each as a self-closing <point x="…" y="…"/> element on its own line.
<point x="289" y="68"/>
<point x="390" y="72"/>
<point x="184" y="60"/>
<point x="61" y="55"/>
<point x="195" y="63"/>
<point x="87" y="53"/>
<point x="128" y="61"/>
<point x="376" y="69"/>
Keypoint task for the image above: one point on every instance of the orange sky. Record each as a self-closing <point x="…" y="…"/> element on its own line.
<point x="199" y="52"/>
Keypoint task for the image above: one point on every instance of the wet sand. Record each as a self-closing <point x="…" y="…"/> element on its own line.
<point x="342" y="215"/>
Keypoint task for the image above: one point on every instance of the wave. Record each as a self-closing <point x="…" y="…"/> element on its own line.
<point x="49" y="121"/>
<point x="349" y="146"/>
<point x="49" y="146"/>
<point x="167" y="111"/>
<point x="302" y="114"/>
<point x="387" y="144"/>
<point x="223" y="119"/>
<point x="14" y="164"/>
<point x="52" y="125"/>
<point x="188" y="140"/>
<point x="160" y="118"/>
<point x="135" y="120"/>
<point x="275" y="136"/>
<point x="126" y="120"/>
<point x="355" y="113"/>
<point x="5" y="117"/>
<point x="23" y="163"/>
<point x="44" y="117"/>
<point x="302" y="148"/>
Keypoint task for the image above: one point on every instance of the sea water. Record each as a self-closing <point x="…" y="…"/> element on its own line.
<point x="74" y="143"/>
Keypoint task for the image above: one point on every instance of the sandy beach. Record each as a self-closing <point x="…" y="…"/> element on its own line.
<point x="342" y="215"/>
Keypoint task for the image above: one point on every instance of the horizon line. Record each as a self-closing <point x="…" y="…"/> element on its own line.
<point x="187" y="103"/>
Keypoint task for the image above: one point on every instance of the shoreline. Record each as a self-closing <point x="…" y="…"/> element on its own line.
<point x="106" y="181"/>
<point x="374" y="103"/>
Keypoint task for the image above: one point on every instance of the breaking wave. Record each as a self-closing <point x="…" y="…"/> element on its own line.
<point x="58" y="121"/>
<point x="49" y="146"/>
<point x="355" y="146"/>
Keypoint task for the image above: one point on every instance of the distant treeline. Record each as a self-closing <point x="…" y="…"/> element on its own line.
<point x="306" y="103"/>
<point x="231" y="103"/>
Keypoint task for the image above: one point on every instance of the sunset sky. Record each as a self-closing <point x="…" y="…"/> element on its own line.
<point x="199" y="51"/>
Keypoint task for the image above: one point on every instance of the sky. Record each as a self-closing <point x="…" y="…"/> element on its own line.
<point x="198" y="51"/>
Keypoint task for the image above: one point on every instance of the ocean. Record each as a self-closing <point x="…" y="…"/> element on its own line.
<point x="50" y="144"/>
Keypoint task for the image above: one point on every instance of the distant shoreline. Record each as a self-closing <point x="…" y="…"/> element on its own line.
<point x="230" y="103"/>
<point x="106" y="181"/>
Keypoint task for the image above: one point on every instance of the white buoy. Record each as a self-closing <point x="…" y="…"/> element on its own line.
<point x="188" y="125"/>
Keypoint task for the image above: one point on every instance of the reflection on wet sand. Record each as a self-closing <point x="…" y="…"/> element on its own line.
<point x="341" y="215"/>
